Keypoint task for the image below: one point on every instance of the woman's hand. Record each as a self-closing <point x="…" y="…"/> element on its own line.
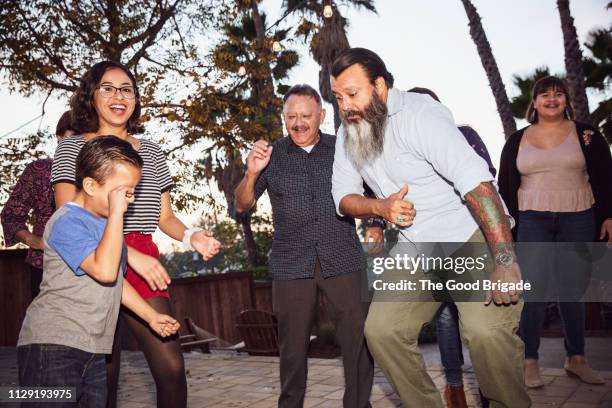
<point x="205" y="244"/>
<point x="606" y="228"/>
<point x="164" y="325"/>
<point x="149" y="268"/>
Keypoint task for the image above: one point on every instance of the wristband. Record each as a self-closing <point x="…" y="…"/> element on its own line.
<point x="187" y="238"/>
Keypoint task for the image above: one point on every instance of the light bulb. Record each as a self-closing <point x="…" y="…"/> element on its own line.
<point x="188" y="102"/>
<point x="328" y="11"/>
<point x="276" y="46"/>
<point x="242" y="70"/>
<point x="166" y="110"/>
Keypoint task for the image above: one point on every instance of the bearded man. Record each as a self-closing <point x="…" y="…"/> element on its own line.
<point x="406" y="146"/>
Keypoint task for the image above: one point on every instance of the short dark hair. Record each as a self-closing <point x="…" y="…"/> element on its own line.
<point x="425" y="91"/>
<point x="84" y="115"/>
<point x="542" y="85"/>
<point x="63" y="124"/>
<point x="303" y="90"/>
<point x="99" y="155"/>
<point x="368" y="60"/>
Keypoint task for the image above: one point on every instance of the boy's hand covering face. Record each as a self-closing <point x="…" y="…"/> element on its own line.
<point x="119" y="199"/>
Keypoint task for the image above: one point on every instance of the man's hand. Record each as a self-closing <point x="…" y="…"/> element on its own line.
<point x="119" y="199"/>
<point x="374" y="238"/>
<point x="397" y="210"/>
<point x="504" y="274"/>
<point x="606" y="229"/>
<point x="150" y="269"/>
<point x="164" y="325"/>
<point x="259" y="157"/>
<point x="205" y="244"/>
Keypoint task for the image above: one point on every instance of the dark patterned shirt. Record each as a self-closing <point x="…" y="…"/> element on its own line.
<point x="306" y="225"/>
<point x="32" y="192"/>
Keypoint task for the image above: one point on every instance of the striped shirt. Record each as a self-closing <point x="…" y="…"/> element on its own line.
<point x="143" y="214"/>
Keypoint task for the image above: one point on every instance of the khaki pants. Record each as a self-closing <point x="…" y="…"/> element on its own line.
<point x="490" y="333"/>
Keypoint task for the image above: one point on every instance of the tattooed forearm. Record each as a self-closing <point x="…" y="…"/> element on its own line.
<point x="488" y="211"/>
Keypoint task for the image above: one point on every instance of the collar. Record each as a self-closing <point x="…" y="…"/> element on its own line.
<point x="324" y="140"/>
<point x="394" y="101"/>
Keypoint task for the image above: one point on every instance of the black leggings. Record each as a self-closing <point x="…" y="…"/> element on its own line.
<point x="164" y="357"/>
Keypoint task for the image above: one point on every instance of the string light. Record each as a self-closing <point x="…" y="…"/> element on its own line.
<point x="166" y="110"/>
<point x="328" y="11"/>
<point x="188" y="103"/>
<point x="242" y="70"/>
<point x="276" y="46"/>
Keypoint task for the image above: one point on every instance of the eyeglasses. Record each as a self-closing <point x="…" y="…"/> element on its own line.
<point x="108" y="91"/>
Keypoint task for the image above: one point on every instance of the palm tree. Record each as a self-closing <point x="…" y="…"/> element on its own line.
<point x="573" y="63"/>
<point x="327" y="37"/>
<point x="490" y="66"/>
<point x="598" y="72"/>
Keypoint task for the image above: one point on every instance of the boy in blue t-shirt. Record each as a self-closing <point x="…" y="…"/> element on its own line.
<point x="70" y="325"/>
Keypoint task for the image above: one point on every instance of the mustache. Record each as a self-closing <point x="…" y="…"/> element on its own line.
<point x="347" y="114"/>
<point x="299" y="128"/>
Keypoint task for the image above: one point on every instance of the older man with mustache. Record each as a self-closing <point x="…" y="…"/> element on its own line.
<point x="313" y="249"/>
<point x="407" y="146"/>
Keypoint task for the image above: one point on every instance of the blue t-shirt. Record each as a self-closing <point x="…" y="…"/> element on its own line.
<point x="73" y="309"/>
<point x="76" y="235"/>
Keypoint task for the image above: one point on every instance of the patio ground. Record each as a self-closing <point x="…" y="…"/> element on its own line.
<point x="232" y="380"/>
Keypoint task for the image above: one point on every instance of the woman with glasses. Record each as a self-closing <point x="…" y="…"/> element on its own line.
<point x="107" y="103"/>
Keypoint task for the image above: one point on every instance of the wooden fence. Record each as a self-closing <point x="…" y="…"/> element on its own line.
<point x="212" y="301"/>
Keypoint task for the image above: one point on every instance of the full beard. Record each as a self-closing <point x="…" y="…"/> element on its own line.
<point x="364" y="139"/>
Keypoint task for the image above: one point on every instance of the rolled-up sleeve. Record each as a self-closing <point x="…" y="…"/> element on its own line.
<point x="345" y="179"/>
<point x="440" y="143"/>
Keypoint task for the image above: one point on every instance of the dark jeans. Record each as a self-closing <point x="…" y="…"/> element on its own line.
<point x="540" y="226"/>
<point x="449" y="342"/>
<point x="52" y="365"/>
<point x="295" y="304"/>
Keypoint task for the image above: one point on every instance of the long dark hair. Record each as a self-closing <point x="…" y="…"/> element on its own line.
<point x="84" y="117"/>
<point x="369" y="61"/>
<point x="542" y="85"/>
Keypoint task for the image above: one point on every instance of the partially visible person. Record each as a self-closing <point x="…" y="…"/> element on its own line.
<point x="555" y="178"/>
<point x="107" y="101"/>
<point x="70" y="325"/>
<point x="33" y="194"/>
<point x="471" y="136"/>
<point x="447" y="321"/>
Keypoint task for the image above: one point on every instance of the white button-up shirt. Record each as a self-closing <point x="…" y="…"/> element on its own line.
<point x="424" y="150"/>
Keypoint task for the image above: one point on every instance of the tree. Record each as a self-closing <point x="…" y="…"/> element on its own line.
<point x="46" y="46"/>
<point x="243" y="107"/>
<point x="490" y="66"/>
<point x="326" y="37"/>
<point x="573" y="63"/>
<point x="598" y="76"/>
